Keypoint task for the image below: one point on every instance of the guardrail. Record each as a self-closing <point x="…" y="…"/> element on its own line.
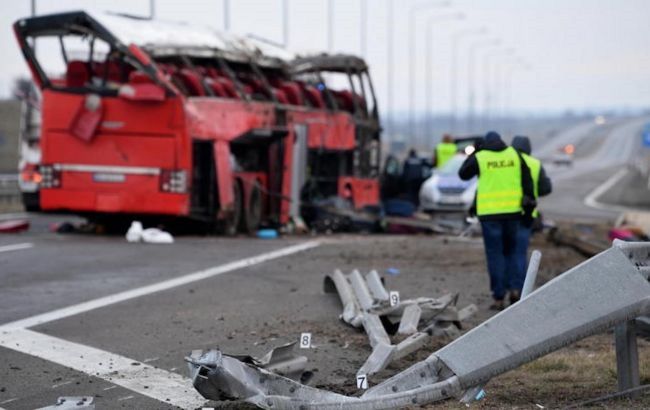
<point x="9" y="190"/>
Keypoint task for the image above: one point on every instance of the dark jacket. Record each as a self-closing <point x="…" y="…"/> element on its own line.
<point x="544" y="185"/>
<point x="470" y="169"/>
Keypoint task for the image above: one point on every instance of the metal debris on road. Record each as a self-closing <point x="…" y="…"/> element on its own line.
<point x="366" y="302"/>
<point x="14" y="226"/>
<point x="281" y="360"/>
<point x="608" y="289"/>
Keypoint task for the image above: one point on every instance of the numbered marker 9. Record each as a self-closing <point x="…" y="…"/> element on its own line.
<point x="305" y="340"/>
<point x="394" y="297"/>
<point x="362" y="381"/>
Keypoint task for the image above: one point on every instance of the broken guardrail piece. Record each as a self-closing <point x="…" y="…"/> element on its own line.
<point x="280" y="360"/>
<point x="608" y="289"/>
<point x="366" y="303"/>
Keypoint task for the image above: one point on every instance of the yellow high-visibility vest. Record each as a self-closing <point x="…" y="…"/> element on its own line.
<point x="535" y="167"/>
<point x="444" y="152"/>
<point x="499" y="183"/>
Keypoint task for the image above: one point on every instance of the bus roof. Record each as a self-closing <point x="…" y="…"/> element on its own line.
<point x="157" y="37"/>
<point x="328" y="62"/>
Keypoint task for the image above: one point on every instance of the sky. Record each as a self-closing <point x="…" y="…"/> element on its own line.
<point x="579" y="54"/>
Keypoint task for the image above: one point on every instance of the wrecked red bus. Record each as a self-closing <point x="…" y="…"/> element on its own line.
<point x="148" y="119"/>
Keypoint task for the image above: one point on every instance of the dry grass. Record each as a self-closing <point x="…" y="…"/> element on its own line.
<point x="567" y="377"/>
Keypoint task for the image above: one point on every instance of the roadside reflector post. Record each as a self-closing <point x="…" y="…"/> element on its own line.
<point x="531" y="273"/>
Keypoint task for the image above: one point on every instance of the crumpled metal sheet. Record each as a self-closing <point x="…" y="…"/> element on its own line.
<point x="606" y="290"/>
<point x="281" y="360"/>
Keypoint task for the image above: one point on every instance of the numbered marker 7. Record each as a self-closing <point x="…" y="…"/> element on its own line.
<point x="362" y="381"/>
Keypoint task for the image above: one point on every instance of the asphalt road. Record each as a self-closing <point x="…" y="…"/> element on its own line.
<point x="601" y="151"/>
<point x="95" y="315"/>
<point x="127" y="285"/>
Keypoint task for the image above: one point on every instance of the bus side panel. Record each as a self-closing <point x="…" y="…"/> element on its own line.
<point x="224" y="119"/>
<point x="331" y="131"/>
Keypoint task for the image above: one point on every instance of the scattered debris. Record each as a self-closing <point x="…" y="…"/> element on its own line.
<point x="72" y="402"/>
<point x="150" y="235"/>
<point x="281" y="360"/>
<point x="392" y="271"/>
<point x="604" y="291"/>
<point x="580" y="237"/>
<point x="367" y="303"/>
<point x="14" y="226"/>
<point x="267" y="234"/>
<point x="631" y="226"/>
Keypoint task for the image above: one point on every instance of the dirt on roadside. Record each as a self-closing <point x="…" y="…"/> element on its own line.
<point x="430" y="266"/>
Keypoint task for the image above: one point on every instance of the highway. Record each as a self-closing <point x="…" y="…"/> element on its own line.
<point x="601" y="151"/>
<point x="84" y="314"/>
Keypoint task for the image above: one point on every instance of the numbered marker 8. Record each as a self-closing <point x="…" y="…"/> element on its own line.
<point x="305" y="340"/>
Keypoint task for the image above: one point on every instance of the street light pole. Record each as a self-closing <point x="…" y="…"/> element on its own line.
<point x="455" y="43"/>
<point x="389" y="66"/>
<point x="428" y="64"/>
<point x="226" y="15"/>
<point x="487" y="78"/>
<point x="411" y="41"/>
<point x="471" y="81"/>
<point x="518" y="64"/>
<point x="330" y="25"/>
<point x="363" y="26"/>
<point x="152" y="9"/>
<point x="285" y="23"/>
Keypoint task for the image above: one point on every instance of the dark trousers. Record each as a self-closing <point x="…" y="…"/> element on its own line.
<point x="500" y="240"/>
<point x="523" y="239"/>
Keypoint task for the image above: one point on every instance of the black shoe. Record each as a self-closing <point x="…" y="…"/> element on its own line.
<point x="515" y="296"/>
<point x="497" y="304"/>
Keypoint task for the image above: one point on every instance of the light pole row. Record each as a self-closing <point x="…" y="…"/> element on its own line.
<point x="493" y="79"/>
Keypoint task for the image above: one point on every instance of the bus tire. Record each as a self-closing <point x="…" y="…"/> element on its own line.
<point x="229" y="225"/>
<point x="252" y="214"/>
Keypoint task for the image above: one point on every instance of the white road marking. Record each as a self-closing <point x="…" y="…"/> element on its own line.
<point x="125" y="398"/>
<point x="110" y="388"/>
<point x="138" y="377"/>
<point x="592" y="199"/>
<point x="16" y="247"/>
<point x="156" y="287"/>
<point x="158" y="384"/>
<point x="54" y="386"/>
<point x="151" y="359"/>
<point x="9" y="401"/>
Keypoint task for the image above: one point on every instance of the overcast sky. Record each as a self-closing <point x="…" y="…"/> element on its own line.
<point x="583" y="54"/>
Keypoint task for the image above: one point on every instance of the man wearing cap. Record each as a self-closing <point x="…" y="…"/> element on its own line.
<point x="541" y="186"/>
<point x="504" y="200"/>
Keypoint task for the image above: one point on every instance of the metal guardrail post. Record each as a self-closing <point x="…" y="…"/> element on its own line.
<point x="627" y="357"/>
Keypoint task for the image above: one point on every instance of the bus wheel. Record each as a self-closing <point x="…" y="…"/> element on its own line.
<point x="230" y="224"/>
<point x="252" y="214"/>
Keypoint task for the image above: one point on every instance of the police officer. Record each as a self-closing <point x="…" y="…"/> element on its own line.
<point x="412" y="176"/>
<point x="504" y="199"/>
<point x="541" y="186"/>
<point x="444" y="151"/>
